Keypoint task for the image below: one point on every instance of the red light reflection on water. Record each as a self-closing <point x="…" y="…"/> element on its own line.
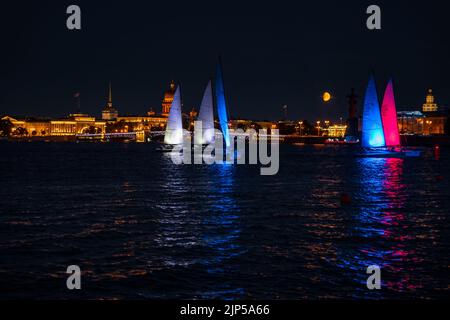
<point x="393" y="219"/>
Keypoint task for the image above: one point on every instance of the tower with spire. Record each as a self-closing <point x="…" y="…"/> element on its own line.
<point x="109" y="112"/>
<point x="351" y="133"/>
<point x="430" y="104"/>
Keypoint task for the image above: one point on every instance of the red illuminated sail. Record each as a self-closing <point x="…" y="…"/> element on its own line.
<point x="389" y="117"/>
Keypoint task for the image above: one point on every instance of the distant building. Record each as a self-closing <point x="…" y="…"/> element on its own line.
<point x="168" y="99"/>
<point x="109" y="113"/>
<point x="151" y="112"/>
<point x="336" y="131"/>
<point x="30" y="127"/>
<point x="352" y="129"/>
<point x="145" y="123"/>
<point x="77" y="124"/>
<point x="410" y="122"/>
<point x="435" y="117"/>
<point x="430" y="105"/>
<point x="416" y="122"/>
<point x="434" y="123"/>
<point x="70" y="126"/>
<point x="244" y="124"/>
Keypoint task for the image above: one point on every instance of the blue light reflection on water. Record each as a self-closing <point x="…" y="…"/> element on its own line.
<point x="223" y="238"/>
<point x="210" y="229"/>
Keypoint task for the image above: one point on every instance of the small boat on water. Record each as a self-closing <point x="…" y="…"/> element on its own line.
<point x="389" y="153"/>
<point x="341" y="142"/>
<point x="380" y="134"/>
<point x="204" y="135"/>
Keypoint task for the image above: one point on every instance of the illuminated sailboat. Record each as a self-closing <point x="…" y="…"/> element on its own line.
<point x="389" y="117"/>
<point x="372" y="125"/>
<point x="174" y="128"/>
<point x="206" y="117"/>
<point x="380" y="135"/>
<point x="221" y="104"/>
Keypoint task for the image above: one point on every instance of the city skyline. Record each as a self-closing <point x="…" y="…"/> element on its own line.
<point x="273" y="56"/>
<point x="162" y="108"/>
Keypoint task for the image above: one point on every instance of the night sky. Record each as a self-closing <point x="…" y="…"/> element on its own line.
<point x="274" y="53"/>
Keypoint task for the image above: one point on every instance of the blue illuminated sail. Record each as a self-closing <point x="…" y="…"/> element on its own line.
<point x="372" y="125"/>
<point x="221" y="104"/>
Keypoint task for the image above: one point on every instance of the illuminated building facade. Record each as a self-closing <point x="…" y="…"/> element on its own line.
<point x="434" y="123"/>
<point x="30" y="127"/>
<point x="71" y="126"/>
<point x="418" y="123"/>
<point x="410" y="122"/>
<point x="430" y="105"/>
<point x="140" y="123"/>
<point x="336" y="131"/>
<point x="109" y="113"/>
<point x="168" y="99"/>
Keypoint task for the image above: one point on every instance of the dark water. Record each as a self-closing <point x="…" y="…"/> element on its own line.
<point x="140" y="227"/>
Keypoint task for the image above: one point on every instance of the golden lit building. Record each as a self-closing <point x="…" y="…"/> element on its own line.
<point x="30" y="127"/>
<point x="168" y="99"/>
<point x="77" y="124"/>
<point x="430" y="105"/>
<point x="144" y="122"/>
<point x="336" y="131"/>
<point x="73" y="125"/>
<point x="434" y="123"/>
<point x="109" y="113"/>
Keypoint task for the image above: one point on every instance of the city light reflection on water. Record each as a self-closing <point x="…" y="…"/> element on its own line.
<point x="380" y="232"/>
<point x="208" y="231"/>
<point x="222" y="231"/>
<point x="141" y="227"/>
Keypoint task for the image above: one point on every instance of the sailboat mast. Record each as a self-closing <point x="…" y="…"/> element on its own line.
<point x="221" y="103"/>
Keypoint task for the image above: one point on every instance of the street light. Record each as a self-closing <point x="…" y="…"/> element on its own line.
<point x="301" y="127"/>
<point x="318" y="128"/>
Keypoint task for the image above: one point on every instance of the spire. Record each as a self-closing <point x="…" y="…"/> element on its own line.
<point x="110" y="93"/>
<point x="109" y="104"/>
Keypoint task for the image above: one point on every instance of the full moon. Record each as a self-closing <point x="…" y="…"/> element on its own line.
<point x="326" y="96"/>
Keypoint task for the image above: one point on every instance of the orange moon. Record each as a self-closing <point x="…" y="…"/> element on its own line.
<point x="326" y="97"/>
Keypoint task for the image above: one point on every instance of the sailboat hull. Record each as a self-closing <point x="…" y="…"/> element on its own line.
<point x="389" y="153"/>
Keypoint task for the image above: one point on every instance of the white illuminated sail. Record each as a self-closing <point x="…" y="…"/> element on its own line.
<point x="174" y="128"/>
<point x="206" y="116"/>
